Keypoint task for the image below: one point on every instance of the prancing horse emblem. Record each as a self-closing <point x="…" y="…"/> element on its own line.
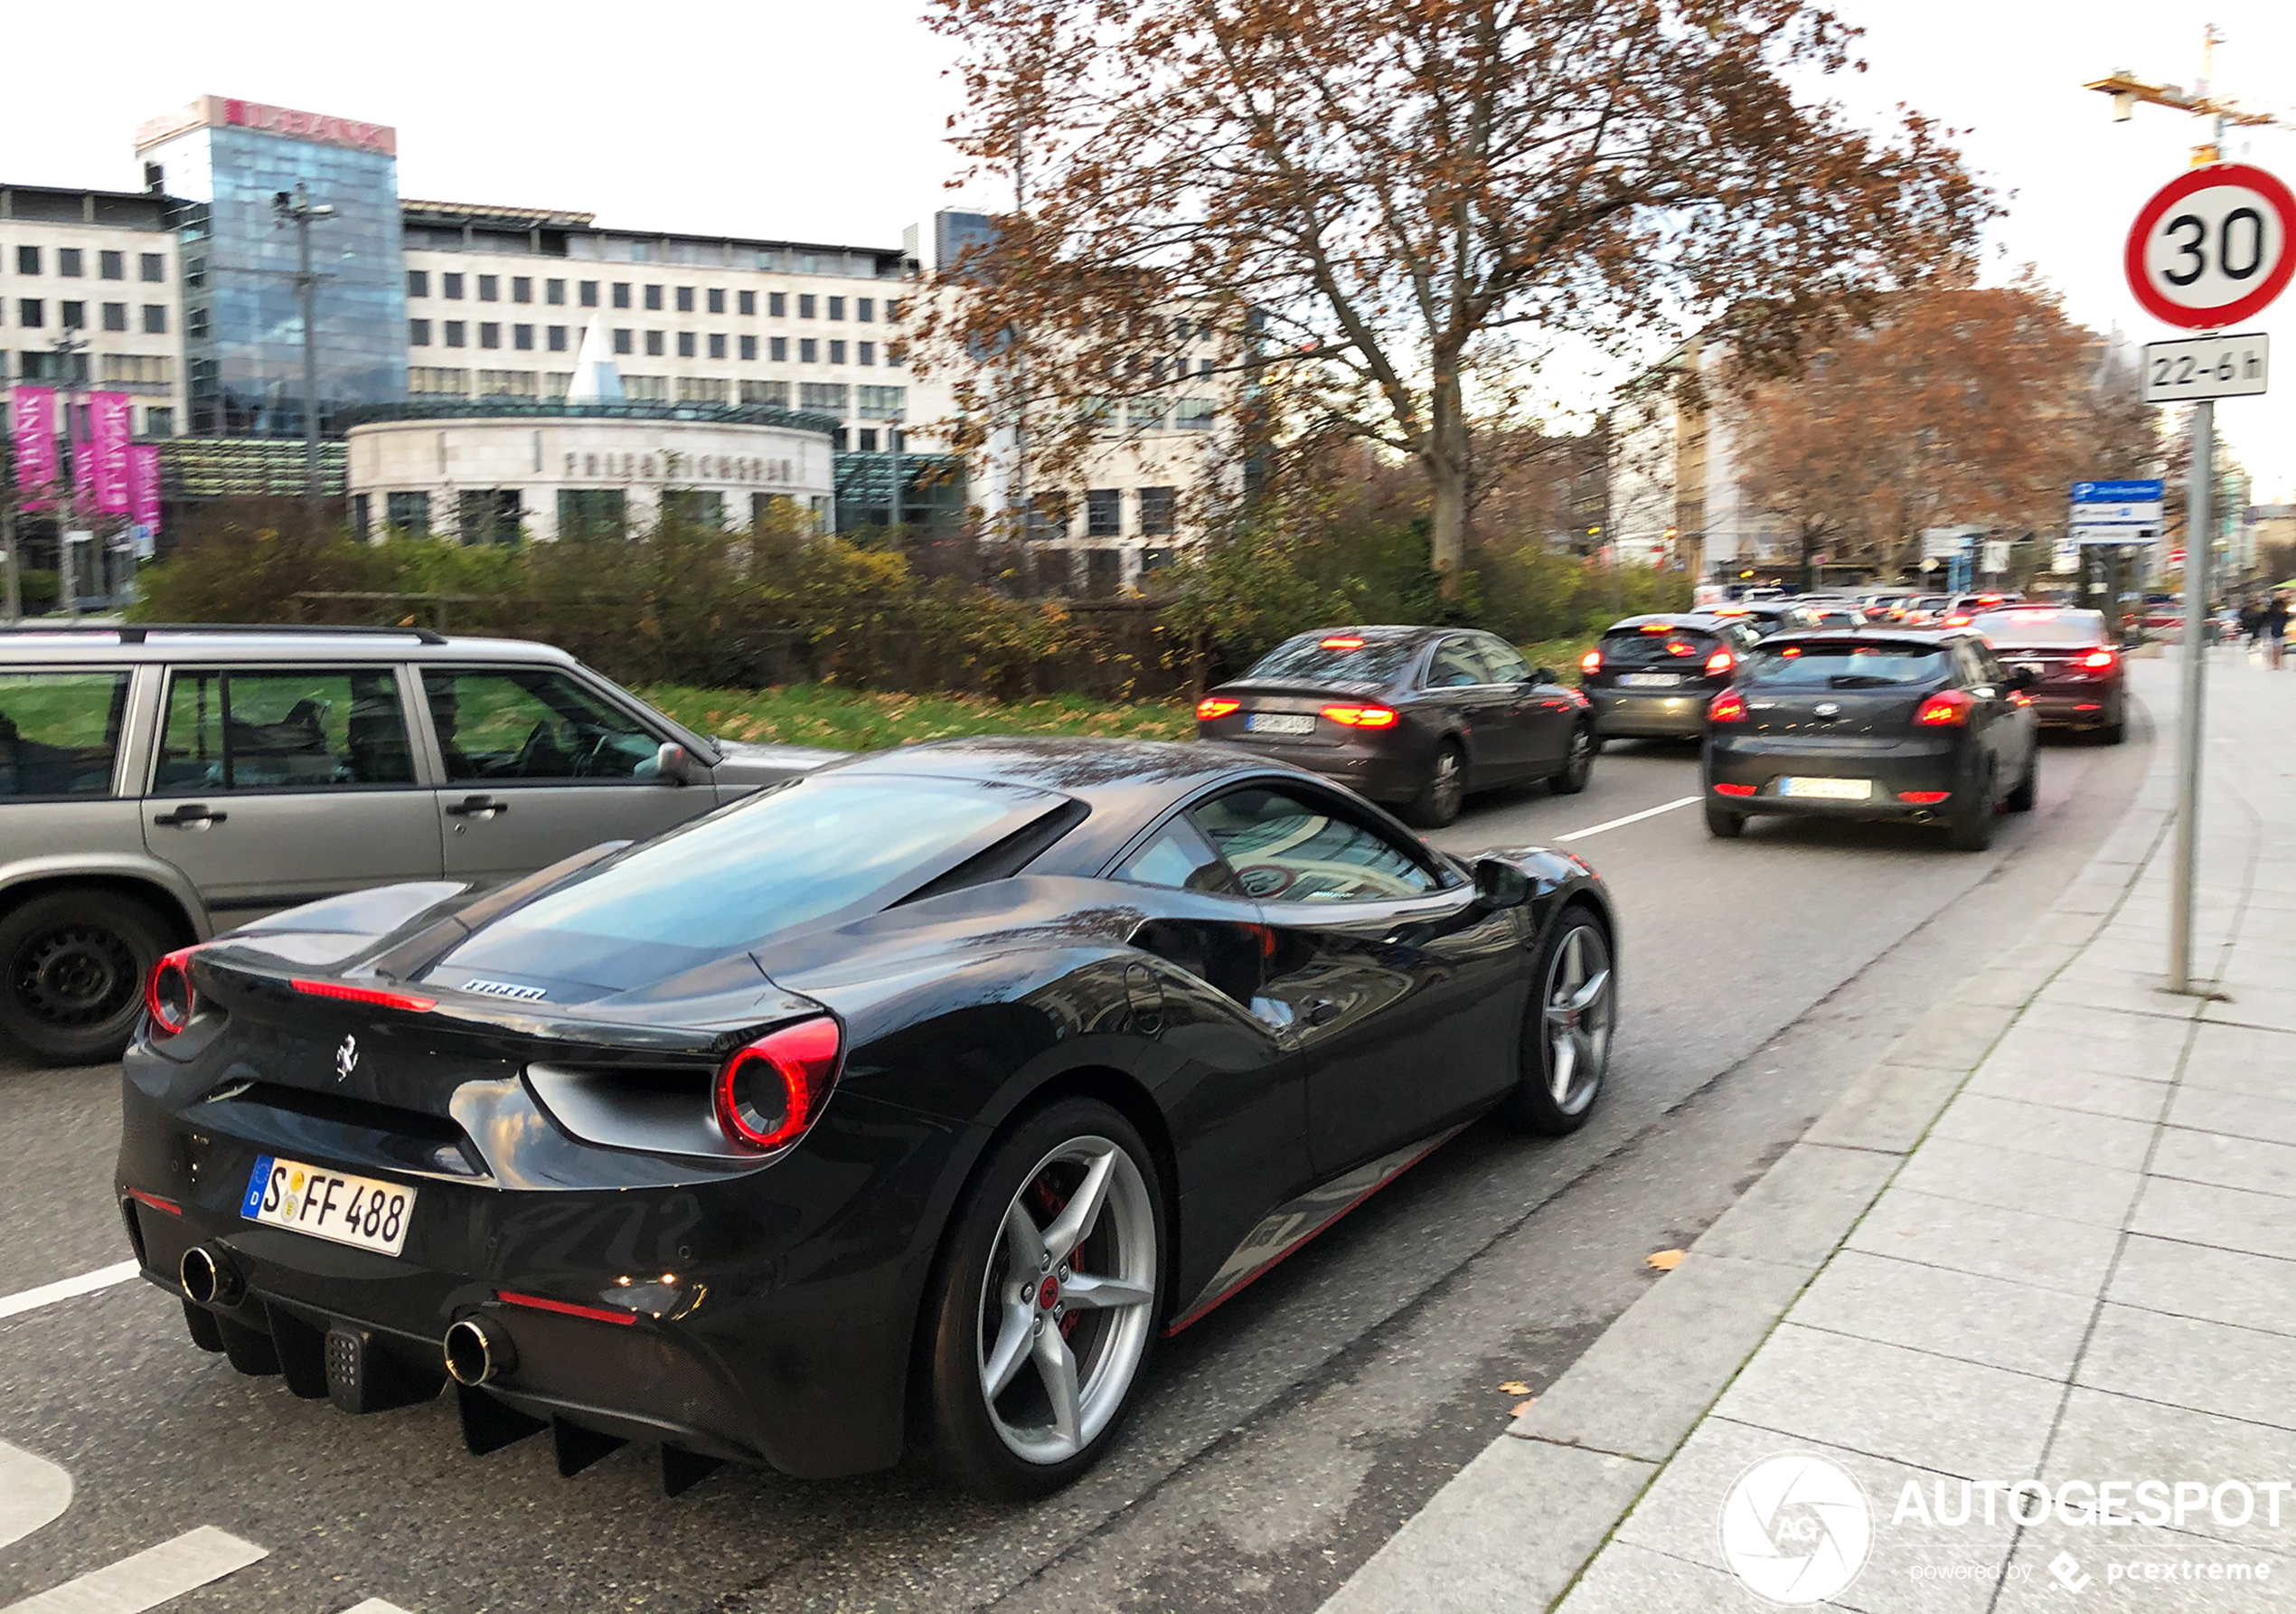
<point x="346" y="1059"/>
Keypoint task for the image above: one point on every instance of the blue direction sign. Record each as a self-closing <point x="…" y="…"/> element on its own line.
<point x="2119" y="493"/>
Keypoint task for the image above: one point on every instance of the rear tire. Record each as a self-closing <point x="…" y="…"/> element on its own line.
<point x="2020" y="800"/>
<point x="1579" y="763"/>
<point x="1723" y="824"/>
<point x="72" y="966"/>
<point x="1564" y="1050"/>
<point x="1973" y="827"/>
<point x="2113" y="732"/>
<point x="1444" y="792"/>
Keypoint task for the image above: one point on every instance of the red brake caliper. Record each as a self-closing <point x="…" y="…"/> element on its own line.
<point x="1052" y="1205"/>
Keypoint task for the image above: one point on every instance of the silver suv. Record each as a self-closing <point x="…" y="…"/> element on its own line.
<point x="160" y="784"/>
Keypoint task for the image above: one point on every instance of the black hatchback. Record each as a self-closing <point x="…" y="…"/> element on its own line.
<point x="1416" y="717"/>
<point x="1650" y="677"/>
<point x="1923" y="727"/>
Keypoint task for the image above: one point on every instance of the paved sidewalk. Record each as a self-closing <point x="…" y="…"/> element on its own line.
<point x="2051" y="1237"/>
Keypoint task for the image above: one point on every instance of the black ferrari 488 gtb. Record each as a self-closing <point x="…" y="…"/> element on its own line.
<point x="914" y="1099"/>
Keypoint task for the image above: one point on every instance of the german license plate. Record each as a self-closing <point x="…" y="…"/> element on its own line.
<point x="1827" y="789"/>
<point x="329" y="1204"/>
<point x="1650" y="680"/>
<point x="1280" y="722"/>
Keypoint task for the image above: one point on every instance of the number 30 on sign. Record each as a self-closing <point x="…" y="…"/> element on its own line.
<point x="2212" y="247"/>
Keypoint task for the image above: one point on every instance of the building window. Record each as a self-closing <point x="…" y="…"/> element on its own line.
<point x="455" y="333"/>
<point x="865" y="353"/>
<point x="556" y="383"/>
<point x="592" y="513"/>
<point x="836" y="307"/>
<point x="652" y="388"/>
<point x="507" y="383"/>
<point x="521" y="288"/>
<point x="621" y="342"/>
<point x="828" y="397"/>
<point x="28" y="260"/>
<point x="685" y="299"/>
<point x="490" y="334"/>
<point x="1103" y="512"/>
<point x="522" y="337"/>
<point x="865" y="442"/>
<point x="489" y="288"/>
<point x="685" y="345"/>
<point x="362" y="517"/>
<point x="115" y="317"/>
<point x="1203" y="366"/>
<point x="892" y="310"/>
<point x="31" y="314"/>
<point x="589" y="292"/>
<point x="882" y="404"/>
<point x="74" y="316"/>
<point x="194" y="271"/>
<point x="772" y="393"/>
<point x="717" y="344"/>
<point x="777" y="302"/>
<point x="112" y="266"/>
<point x="704" y="389"/>
<point x="159" y="422"/>
<point x="840" y="438"/>
<point x="653" y="346"/>
<point x="717" y="299"/>
<point x="894" y="357"/>
<point x="418" y="283"/>
<point x="408" y="515"/>
<point x="749" y="347"/>
<point x="865" y="309"/>
<point x="195" y="322"/>
<point x="139" y="372"/>
<point x="836" y="353"/>
<point x="1193" y="414"/>
<point x="450" y="285"/>
<point x="654" y="298"/>
<point x="488" y="515"/>
<point x="153" y="266"/>
<point x="780" y="351"/>
<point x="809" y="351"/>
<point x="71" y="262"/>
<point x="554" y="293"/>
<point x="1156" y="511"/>
<point x="557" y="338"/>
<point x="621" y="294"/>
<point x="806" y="306"/>
<point x="745" y="302"/>
<point x="418" y="333"/>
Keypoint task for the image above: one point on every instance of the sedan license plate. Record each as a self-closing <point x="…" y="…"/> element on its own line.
<point x="1280" y="722"/>
<point x="1827" y="789"/>
<point x="329" y="1204"/>
<point x="1650" y="680"/>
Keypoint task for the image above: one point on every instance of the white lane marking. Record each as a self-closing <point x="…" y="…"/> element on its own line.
<point x="65" y="1288"/>
<point x="1666" y="806"/>
<point x="34" y="1492"/>
<point x="149" y="1579"/>
<point x="375" y="1605"/>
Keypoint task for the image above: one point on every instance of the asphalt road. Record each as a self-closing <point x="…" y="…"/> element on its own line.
<point x="1278" y="1442"/>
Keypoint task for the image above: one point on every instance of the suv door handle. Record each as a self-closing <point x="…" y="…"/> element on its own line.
<point x="477" y="806"/>
<point x="192" y="815"/>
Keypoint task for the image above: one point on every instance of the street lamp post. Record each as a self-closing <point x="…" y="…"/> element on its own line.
<point x="296" y="208"/>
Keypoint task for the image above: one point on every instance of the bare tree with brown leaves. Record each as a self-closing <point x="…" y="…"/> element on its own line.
<point x="1392" y="206"/>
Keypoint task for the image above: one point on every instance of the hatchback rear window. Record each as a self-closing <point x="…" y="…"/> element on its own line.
<point x="2042" y="627"/>
<point x="1844" y="664"/>
<point x="1686" y="648"/>
<point x="1335" y="658"/>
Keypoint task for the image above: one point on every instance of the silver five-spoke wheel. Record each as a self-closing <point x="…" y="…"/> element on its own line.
<point x="1577" y="998"/>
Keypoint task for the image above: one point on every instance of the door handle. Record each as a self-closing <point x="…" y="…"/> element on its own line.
<point x="192" y="815"/>
<point x="477" y="806"/>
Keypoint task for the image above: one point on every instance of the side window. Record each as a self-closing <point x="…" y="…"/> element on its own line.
<point x="1988" y="667"/>
<point x="1287" y="848"/>
<point x="282" y="729"/>
<point x="1179" y="857"/>
<point x="1456" y="665"/>
<point x="1501" y="662"/>
<point x="533" y="723"/>
<point x="60" y="731"/>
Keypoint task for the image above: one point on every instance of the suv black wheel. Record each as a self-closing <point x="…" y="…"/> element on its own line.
<point x="1566" y="1047"/>
<point x="1044" y="1305"/>
<point x="74" y="963"/>
<point x="1578" y="762"/>
<point x="1445" y="791"/>
<point x="2021" y="799"/>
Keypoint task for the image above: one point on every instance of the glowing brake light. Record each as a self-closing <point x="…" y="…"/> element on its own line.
<point x="1924" y="798"/>
<point x="373" y="997"/>
<point x="1958" y="620"/>
<point x="770" y="1091"/>
<point x="167" y="992"/>
<point x="1946" y="708"/>
<point x="1362" y="717"/>
<point x="1215" y="706"/>
<point x="1726" y="708"/>
<point x="1679" y="649"/>
<point x="1721" y="789"/>
<point x="1721" y="661"/>
<point x="1592" y="662"/>
<point x="1342" y="641"/>
<point x="2097" y="659"/>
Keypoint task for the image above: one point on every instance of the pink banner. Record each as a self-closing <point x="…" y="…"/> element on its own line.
<point x="143" y="485"/>
<point x="83" y="463"/>
<point x="109" y="423"/>
<point x="34" y="424"/>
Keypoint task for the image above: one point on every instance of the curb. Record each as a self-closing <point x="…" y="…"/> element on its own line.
<point x="1580" y="1458"/>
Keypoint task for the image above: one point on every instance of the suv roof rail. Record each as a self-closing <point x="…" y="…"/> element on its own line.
<point x="133" y="633"/>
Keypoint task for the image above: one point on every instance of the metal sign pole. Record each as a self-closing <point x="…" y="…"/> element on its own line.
<point x="2199" y="544"/>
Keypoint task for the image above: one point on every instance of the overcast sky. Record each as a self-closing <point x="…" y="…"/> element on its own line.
<point x="826" y="123"/>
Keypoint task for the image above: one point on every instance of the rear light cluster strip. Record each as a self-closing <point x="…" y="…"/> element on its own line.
<point x="596" y="1314"/>
<point x="374" y="996"/>
<point x="770" y="1091"/>
<point x="1363" y="717"/>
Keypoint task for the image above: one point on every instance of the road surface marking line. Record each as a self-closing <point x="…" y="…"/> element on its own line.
<point x="34" y="1492"/>
<point x="1666" y="806"/>
<point x="65" y="1288"/>
<point x="375" y="1605"/>
<point x="150" y="1577"/>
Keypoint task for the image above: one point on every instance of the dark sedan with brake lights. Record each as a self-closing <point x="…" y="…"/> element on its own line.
<point x="1650" y="677"/>
<point x="1419" y="718"/>
<point x="2079" y="679"/>
<point x="1921" y="727"/>
<point x="914" y="1099"/>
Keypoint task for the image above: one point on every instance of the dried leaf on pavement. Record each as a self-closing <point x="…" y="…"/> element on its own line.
<point x="1512" y="1387"/>
<point x="1665" y="1260"/>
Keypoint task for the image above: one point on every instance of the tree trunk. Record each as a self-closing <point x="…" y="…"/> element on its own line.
<point x="1445" y="456"/>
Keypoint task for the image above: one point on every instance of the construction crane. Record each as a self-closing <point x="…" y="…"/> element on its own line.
<point x="2127" y="90"/>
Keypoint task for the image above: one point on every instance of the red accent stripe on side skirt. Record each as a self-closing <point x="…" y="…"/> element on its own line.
<point x="599" y="1314"/>
<point x="1260" y="1272"/>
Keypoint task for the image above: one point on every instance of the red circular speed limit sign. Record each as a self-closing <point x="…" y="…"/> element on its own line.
<point x="2212" y="246"/>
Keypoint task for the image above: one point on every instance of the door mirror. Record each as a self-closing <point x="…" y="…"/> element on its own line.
<point x="1499" y="883"/>
<point x="1541" y="676"/>
<point x="673" y="764"/>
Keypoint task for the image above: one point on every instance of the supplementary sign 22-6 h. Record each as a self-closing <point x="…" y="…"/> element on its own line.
<point x="2234" y="366"/>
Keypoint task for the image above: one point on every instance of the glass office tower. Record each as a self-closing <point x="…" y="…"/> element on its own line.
<point x="225" y="161"/>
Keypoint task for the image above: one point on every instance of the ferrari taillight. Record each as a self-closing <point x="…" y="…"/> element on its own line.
<point x="167" y="992"/>
<point x="1729" y="707"/>
<point x="1948" y="708"/>
<point x="772" y="1091"/>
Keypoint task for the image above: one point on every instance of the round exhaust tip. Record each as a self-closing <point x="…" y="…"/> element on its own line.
<point x="477" y="1352"/>
<point x="208" y="1277"/>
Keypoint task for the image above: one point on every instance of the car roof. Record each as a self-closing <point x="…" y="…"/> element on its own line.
<point x="111" y="644"/>
<point x="1909" y="635"/>
<point x="1701" y="618"/>
<point x="1091" y="768"/>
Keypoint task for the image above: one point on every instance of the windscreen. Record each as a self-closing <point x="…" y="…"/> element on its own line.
<point x="1335" y="658"/>
<point x="2042" y="627"/>
<point x="1678" y="649"/>
<point x="1843" y="663"/>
